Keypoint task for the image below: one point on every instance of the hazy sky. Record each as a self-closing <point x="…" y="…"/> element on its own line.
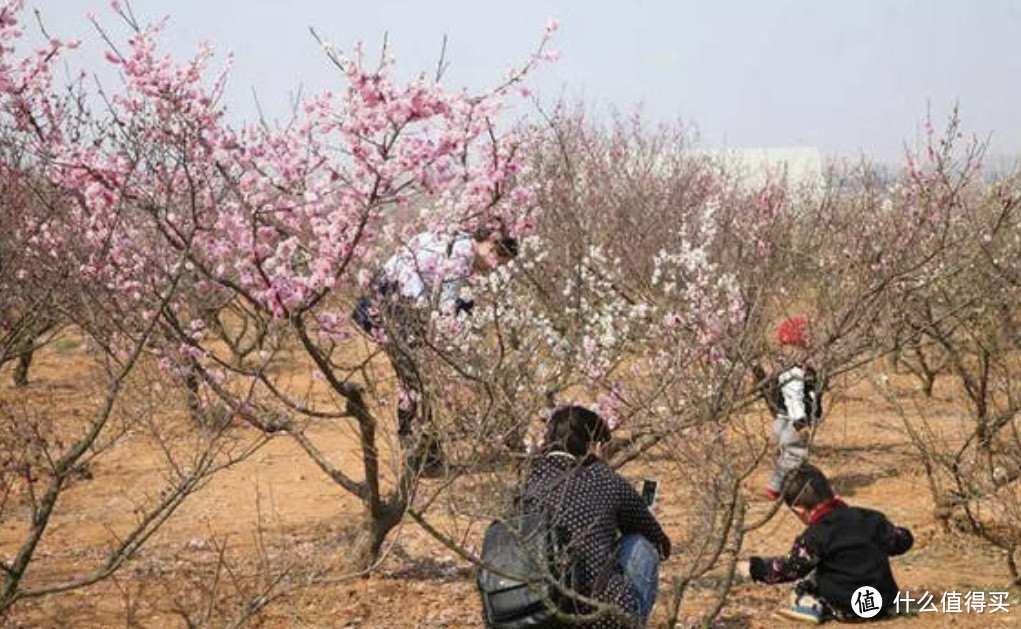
<point x="847" y="77"/>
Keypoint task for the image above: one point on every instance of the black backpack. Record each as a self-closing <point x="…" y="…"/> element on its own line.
<point x="527" y="570"/>
<point x="525" y="574"/>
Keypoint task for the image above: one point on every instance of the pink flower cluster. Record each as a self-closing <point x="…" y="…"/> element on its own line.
<point x="164" y="194"/>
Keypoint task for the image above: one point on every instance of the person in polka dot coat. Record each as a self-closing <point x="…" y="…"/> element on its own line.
<point x="612" y="539"/>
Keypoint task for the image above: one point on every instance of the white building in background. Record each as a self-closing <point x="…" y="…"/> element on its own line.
<point x="801" y="166"/>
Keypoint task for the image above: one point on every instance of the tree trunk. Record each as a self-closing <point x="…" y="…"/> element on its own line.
<point x="191" y="383"/>
<point x="382" y="513"/>
<point x="369" y="544"/>
<point x="25" y="353"/>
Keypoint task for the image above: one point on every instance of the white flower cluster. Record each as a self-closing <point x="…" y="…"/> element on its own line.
<point x="539" y="324"/>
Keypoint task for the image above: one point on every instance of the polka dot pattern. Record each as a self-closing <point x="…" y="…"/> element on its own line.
<point x="594" y="505"/>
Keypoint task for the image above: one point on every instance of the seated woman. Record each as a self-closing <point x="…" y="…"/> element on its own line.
<point x="613" y="540"/>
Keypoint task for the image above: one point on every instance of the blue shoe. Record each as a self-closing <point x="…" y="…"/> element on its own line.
<point x="810" y="614"/>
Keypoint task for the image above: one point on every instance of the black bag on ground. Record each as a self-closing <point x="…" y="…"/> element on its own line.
<point x="522" y="580"/>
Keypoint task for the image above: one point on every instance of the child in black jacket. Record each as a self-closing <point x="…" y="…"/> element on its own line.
<point x="846" y="547"/>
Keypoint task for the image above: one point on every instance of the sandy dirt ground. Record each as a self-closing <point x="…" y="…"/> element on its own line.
<point x="278" y="513"/>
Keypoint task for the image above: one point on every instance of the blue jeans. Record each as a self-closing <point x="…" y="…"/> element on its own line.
<point x="640" y="561"/>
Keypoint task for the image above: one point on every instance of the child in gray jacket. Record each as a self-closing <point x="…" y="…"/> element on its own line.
<point x="794" y="394"/>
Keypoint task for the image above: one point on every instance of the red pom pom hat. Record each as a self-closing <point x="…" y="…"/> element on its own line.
<point x="793" y="331"/>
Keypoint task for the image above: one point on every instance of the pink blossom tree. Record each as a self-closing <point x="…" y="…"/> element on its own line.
<point x="221" y="262"/>
<point x="205" y="232"/>
<point x="64" y="262"/>
<point x="967" y="311"/>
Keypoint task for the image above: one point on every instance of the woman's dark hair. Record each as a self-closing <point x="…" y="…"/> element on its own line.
<point x="573" y="429"/>
<point x="806" y="487"/>
<point x="507" y="247"/>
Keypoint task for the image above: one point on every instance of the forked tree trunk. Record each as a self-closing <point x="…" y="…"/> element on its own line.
<point x="383" y="513"/>
<point x="368" y="546"/>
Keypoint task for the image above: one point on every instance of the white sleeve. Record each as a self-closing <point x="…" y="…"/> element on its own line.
<point x="411" y="267"/>
<point x="403" y="270"/>
<point x="462" y="252"/>
<point x="792" y="385"/>
<point x="449" y="292"/>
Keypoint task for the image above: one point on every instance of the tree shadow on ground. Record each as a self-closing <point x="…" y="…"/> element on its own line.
<point x="825" y="450"/>
<point x="847" y="484"/>
<point x="427" y="568"/>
